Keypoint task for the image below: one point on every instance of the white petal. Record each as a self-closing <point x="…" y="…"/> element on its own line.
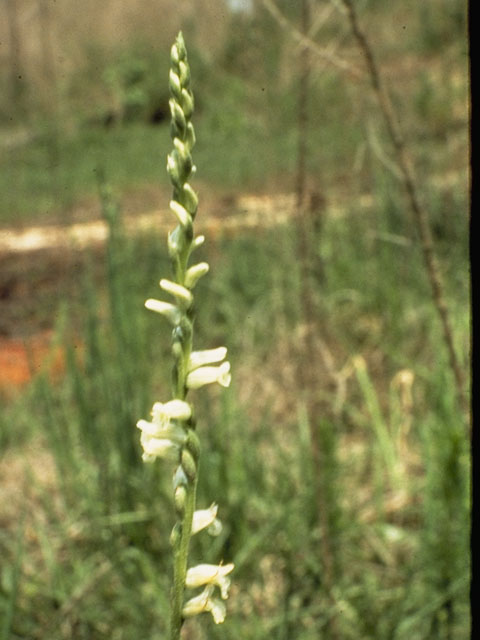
<point x="170" y="311"/>
<point x="210" y="574"/>
<point x="182" y="214"/>
<point x="207" y="375"/>
<point x="177" y="290"/>
<point x="167" y="431"/>
<point x="198" y="604"/>
<point x="204" y="602"/>
<point x="208" y="356"/>
<point x="194" y="273"/>
<point x="201" y="574"/>
<point x="218" y="610"/>
<point x="159" y="447"/>
<point x="173" y="409"/>
<point x="149" y="428"/>
<point x="204" y="518"/>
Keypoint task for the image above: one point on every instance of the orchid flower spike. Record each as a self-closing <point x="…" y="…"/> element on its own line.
<point x="171" y="432"/>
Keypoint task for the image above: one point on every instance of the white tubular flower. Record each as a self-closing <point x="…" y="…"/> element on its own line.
<point x="160" y="438"/>
<point x="181" y="213"/>
<point x="204" y="518"/>
<point x="204" y="602"/>
<point x="207" y="375"/>
<point x="172" y="410"/>
<point x="194" y="274"/>
<point x="155" y="430"/>
<point x="170" y="311"/>
<point x="207" y="356"/>
<point x="210" y="574"/>
<point x="158" y="448"/>
<point x="177" y="291"/>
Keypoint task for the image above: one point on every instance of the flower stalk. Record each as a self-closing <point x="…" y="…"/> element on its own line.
<point x="171" y="434"/>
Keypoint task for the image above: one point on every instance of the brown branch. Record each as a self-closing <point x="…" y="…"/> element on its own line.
<point x="306" y="41"/>
<point x="420" y="214"/>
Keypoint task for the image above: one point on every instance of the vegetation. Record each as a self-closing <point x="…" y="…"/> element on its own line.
<point x="82" y="545"/>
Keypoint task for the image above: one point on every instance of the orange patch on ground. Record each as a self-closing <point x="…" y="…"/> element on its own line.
<point x="21" y="359"/>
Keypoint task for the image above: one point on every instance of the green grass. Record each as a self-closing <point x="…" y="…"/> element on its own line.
<point x="98" y="564"/>
<point x="90" y="559"/>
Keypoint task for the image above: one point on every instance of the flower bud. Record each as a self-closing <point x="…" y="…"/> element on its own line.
<point x="182" y="214"/>
<point x="174" y="84"/>
<point x="187" y="103"/>
<point x="194" y="274"/>
<point x="179" y="478"/>
<point x="178" y="117"/>
<point x="169" y="311"/>
<point x="188" y="464"/>
<point x="175" y="535"/>
<point x="182" y="294"/>
<point x="184" y="70"/>
<point x="180" y="497"/>
<point x="198" y="241"/>
<point x="189" y="199"/>
<point x="193" y="444"/>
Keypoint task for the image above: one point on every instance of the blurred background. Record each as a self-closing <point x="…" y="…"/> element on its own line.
<point x="339" y="457"/>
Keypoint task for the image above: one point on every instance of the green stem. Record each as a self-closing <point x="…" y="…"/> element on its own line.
<point x="180" y="553"/>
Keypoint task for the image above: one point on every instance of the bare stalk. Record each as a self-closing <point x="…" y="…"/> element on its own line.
<point x="420" y="214"/>
<point x="326" y="54"/>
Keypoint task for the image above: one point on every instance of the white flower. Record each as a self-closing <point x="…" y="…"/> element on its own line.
<point x="158" y="448"/>
<point x="155" y="430"/>
<point x="160" y="438"/>
<point x="210" y="574"/>
<point x="204" y="602"/>
<point x="171" y="410"/>
<point x="160" y="426"/>
<point x="207" y="375"/>
<point x="170" y="311"/>
<point x="194" y="274"/>
<point x="183" y="217"/>
<point x="207" y="356"/>
<point x="204" y="518"/>
<point x="176" y="290"/>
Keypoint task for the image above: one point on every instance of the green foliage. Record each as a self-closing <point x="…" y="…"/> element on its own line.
<point x="92" y="561"/>
<point x="442" y="23"/>
<point x="396" y="576"/>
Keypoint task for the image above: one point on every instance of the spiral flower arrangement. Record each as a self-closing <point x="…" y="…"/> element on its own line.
<point x="171" y="432"/>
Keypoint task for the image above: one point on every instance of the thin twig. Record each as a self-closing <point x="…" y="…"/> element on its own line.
<point x="420" y="214"/>
<point x="306" y="41"/>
